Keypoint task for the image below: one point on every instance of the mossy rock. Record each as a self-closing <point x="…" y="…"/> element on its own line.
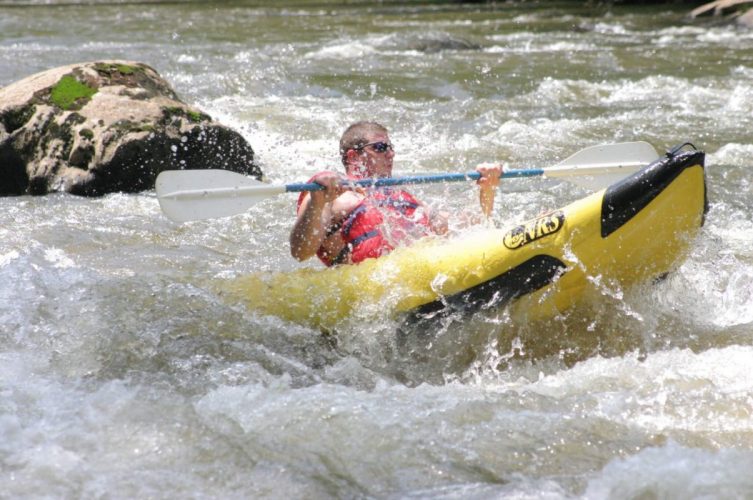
<point x="106" y="126"/>
<point x="70" y="94"/>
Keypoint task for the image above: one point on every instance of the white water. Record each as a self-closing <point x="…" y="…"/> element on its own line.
<point x="123" y="375"/>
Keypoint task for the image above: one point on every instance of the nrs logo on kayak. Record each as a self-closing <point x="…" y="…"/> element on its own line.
<point x="533" y="230"/>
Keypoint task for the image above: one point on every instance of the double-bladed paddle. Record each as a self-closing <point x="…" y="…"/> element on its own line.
<point x="186" y="195"/>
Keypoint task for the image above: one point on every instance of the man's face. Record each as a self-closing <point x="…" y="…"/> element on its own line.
<point x="376" y="157"/>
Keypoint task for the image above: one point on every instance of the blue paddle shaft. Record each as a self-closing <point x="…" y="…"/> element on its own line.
<point x="415" y="179"/>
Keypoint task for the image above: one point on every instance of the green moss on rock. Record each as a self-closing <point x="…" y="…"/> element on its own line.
<point x="128" y="126"/>
<point x="125" y="69"/>
<point x="196" y="117"/>
<point x="110" y="68"/>
<point x="170" y="112"/>
<point x="69" y="93"/>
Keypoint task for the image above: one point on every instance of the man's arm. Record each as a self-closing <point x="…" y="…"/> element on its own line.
<point x="309" y="229"/>
<point x="314" y="217"/>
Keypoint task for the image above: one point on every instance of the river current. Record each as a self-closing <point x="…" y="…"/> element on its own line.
<point x="124" y="375"/>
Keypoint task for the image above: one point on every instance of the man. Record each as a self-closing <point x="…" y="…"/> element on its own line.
<point x="342" y="225"/>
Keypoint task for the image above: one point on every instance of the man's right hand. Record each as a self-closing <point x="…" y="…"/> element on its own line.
<point x="333" y="188"/>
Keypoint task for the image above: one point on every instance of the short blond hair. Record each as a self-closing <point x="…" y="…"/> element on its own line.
<point x="355" y="137"/>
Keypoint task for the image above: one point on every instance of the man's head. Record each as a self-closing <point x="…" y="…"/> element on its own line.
<point x="366" y="150"/>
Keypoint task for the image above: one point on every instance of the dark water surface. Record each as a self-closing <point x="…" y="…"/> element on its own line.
<point x="122" y="374"/>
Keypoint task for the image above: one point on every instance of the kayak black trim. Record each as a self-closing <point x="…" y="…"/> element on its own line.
<point x="628" y="197"/>
<point x="531" y="275"/>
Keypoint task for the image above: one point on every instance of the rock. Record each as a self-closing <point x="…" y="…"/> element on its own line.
<point x="101" y="127"/>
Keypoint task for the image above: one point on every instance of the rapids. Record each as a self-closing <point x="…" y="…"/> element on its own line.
<point x="123" y="374"/>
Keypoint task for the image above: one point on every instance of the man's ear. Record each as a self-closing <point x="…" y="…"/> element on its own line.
<point x="352" y="156"/>
<point x="353" y="162"/>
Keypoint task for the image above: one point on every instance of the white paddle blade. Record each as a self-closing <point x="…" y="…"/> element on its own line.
<point x="598" y="167"/>
<point x="186" y="195"/>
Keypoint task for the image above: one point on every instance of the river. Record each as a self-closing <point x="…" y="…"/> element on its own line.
<point x="124" y="375"/>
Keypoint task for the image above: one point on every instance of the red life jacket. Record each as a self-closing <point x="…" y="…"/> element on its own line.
<point x="384" y="219"/>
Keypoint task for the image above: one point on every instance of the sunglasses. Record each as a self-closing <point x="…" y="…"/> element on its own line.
<point x="379" y="147"/>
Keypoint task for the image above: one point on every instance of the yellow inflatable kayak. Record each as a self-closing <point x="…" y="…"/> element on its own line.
<point x="636" y="230"/>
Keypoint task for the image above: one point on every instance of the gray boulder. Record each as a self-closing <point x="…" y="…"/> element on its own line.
<point x="101" y="127"/>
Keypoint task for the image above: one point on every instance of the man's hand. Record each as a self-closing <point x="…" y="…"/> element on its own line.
<point x="333" y="188"/>
<point x="490" y="174"/>
<point x="488" y="183"/>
